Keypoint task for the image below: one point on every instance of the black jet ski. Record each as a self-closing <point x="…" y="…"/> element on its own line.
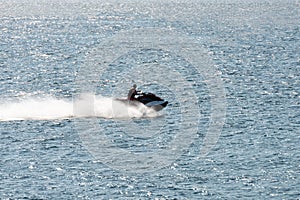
<point x="148" y="99"/>
<point x="151" y="100"/>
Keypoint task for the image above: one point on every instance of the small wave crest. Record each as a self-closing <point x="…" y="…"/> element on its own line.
<point x="86" y="105"/>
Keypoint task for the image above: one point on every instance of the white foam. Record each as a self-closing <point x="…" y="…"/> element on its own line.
<point x="87" y="105"/>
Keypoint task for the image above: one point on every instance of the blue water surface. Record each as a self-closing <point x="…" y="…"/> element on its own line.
<point x="253" y="45"/>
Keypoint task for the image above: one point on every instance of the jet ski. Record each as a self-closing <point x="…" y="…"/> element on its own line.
<point x="148" y="99"/>
<point x="151" y="100"/>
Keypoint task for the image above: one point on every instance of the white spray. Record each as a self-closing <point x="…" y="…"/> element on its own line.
<point x="87" y="105"/>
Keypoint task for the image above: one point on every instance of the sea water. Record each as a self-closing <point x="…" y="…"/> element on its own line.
<point x="229" y="69"/>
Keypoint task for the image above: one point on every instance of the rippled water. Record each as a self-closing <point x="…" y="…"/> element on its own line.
<point x="53" y="51"/>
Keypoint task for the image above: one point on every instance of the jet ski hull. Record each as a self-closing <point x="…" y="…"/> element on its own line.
<point x="157" y="105"/>
<point x="148" y="99"/>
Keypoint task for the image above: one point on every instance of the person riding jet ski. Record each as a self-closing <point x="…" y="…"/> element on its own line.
<point x="148" y="99"/>
<point x="132" y="92"/>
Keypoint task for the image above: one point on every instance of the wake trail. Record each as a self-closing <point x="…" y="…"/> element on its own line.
<point x="86" y="105"/>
